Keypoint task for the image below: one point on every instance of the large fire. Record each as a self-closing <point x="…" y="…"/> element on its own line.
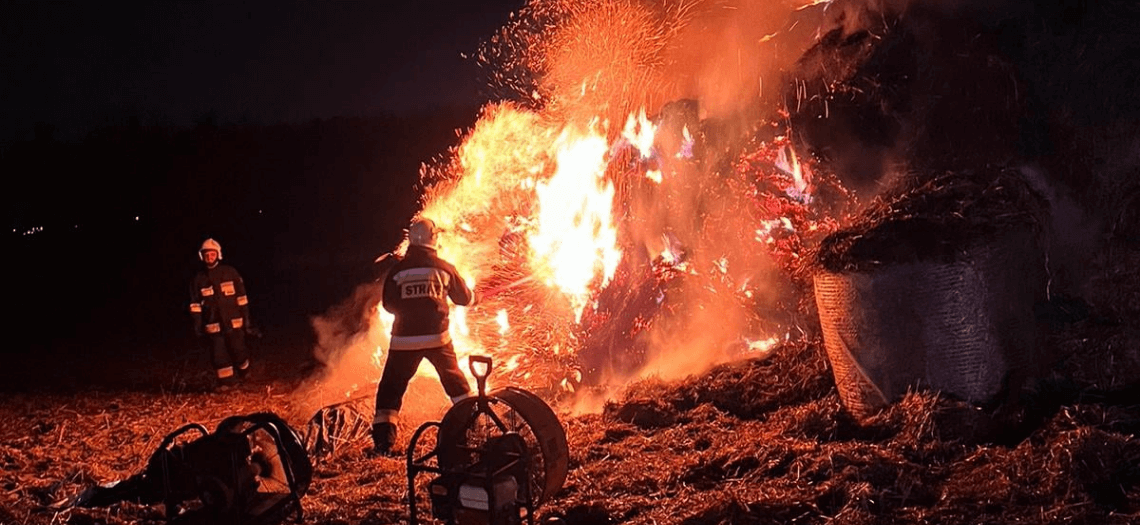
<point x="545" y="221"/>
<point x="608" y="232"/>
<point x="528" y="216"/>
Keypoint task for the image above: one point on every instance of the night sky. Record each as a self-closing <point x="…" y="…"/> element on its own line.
<point x="81" y="65"/>
<point x="291" y="131"/>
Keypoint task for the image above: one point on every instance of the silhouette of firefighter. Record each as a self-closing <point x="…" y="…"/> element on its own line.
<point x="416" y="292"/>
<point x="220" y="309"/>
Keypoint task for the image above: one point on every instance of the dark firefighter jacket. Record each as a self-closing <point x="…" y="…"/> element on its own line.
<point x="217" y="300"/>
<point x="416" y="291"/>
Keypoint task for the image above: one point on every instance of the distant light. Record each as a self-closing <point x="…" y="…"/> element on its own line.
<point x="136" y="217"/>
<point x="259" y="212"/>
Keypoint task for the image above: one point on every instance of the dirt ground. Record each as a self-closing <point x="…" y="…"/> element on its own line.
<point x="757" y="441"/>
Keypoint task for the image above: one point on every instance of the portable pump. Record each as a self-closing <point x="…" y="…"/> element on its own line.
<point x="252" y="470"/>
<point x="497" y="457"/>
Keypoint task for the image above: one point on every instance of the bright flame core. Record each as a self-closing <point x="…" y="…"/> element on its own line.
<point x="576" y="238"/>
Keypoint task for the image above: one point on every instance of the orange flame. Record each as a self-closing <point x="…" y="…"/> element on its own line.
<point x="576" y="238"/>
<point x="519" y="173"/>
<point x="640" y="131"/>
<point x="787" y="162"/>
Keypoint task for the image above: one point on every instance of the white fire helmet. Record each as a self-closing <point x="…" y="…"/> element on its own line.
<point x="210" y="244"/>
<point x="423" y="232"/>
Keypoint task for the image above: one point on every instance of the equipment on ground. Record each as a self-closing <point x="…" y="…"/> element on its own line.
<point x="497" y="457"/>
<point x="338" y="426"/>
<point x="252" y="470"/>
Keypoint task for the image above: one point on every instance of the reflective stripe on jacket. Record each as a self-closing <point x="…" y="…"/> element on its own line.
<point x="416" y="291"/>
<point x="218" y="301"/>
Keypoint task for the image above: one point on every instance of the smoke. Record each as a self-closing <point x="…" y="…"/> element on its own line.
<point x="908" y="86"/>
<point x="1072" y="233"/>
<point x="352" y="345"/>
<point x="351" y="337"/>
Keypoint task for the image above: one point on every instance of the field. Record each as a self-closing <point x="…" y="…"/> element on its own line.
<point x="758" y="441"/>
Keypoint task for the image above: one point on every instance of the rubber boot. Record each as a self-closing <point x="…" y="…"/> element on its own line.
<point x="383" y="437"/>
<point x="243" y="370"/>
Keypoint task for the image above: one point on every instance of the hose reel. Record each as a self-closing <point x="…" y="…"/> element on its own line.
<point x="497" y="456"/>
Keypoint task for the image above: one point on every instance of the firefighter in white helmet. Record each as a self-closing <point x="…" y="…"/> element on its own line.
<point x="220" y="309"/>
<point x="416" y="291"/>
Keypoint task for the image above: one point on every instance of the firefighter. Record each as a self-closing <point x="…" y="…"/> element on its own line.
<point x="220" y="308"/>
<point x="416" y="291"/>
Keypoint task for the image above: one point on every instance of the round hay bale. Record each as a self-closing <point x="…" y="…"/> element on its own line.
<point x="922" y="301"/>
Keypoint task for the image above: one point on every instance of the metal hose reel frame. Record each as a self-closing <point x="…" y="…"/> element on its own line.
<point x="503" y="411"/>
<point x="546" y="439"/>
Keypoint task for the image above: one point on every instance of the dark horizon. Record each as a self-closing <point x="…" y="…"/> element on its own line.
<point x="292" y="132"/>
<point x="74" y="67"/>
<point x="104" y="258"/>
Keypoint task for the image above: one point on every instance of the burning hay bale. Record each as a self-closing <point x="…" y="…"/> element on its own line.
<point x="935" y="285"/>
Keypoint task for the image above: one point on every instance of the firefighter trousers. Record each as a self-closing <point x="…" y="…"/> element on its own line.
<point x="228" y="353"/>
<point x="402" y="365"/>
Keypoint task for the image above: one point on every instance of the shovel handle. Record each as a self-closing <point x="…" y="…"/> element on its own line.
<point x="480" y="372"/>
